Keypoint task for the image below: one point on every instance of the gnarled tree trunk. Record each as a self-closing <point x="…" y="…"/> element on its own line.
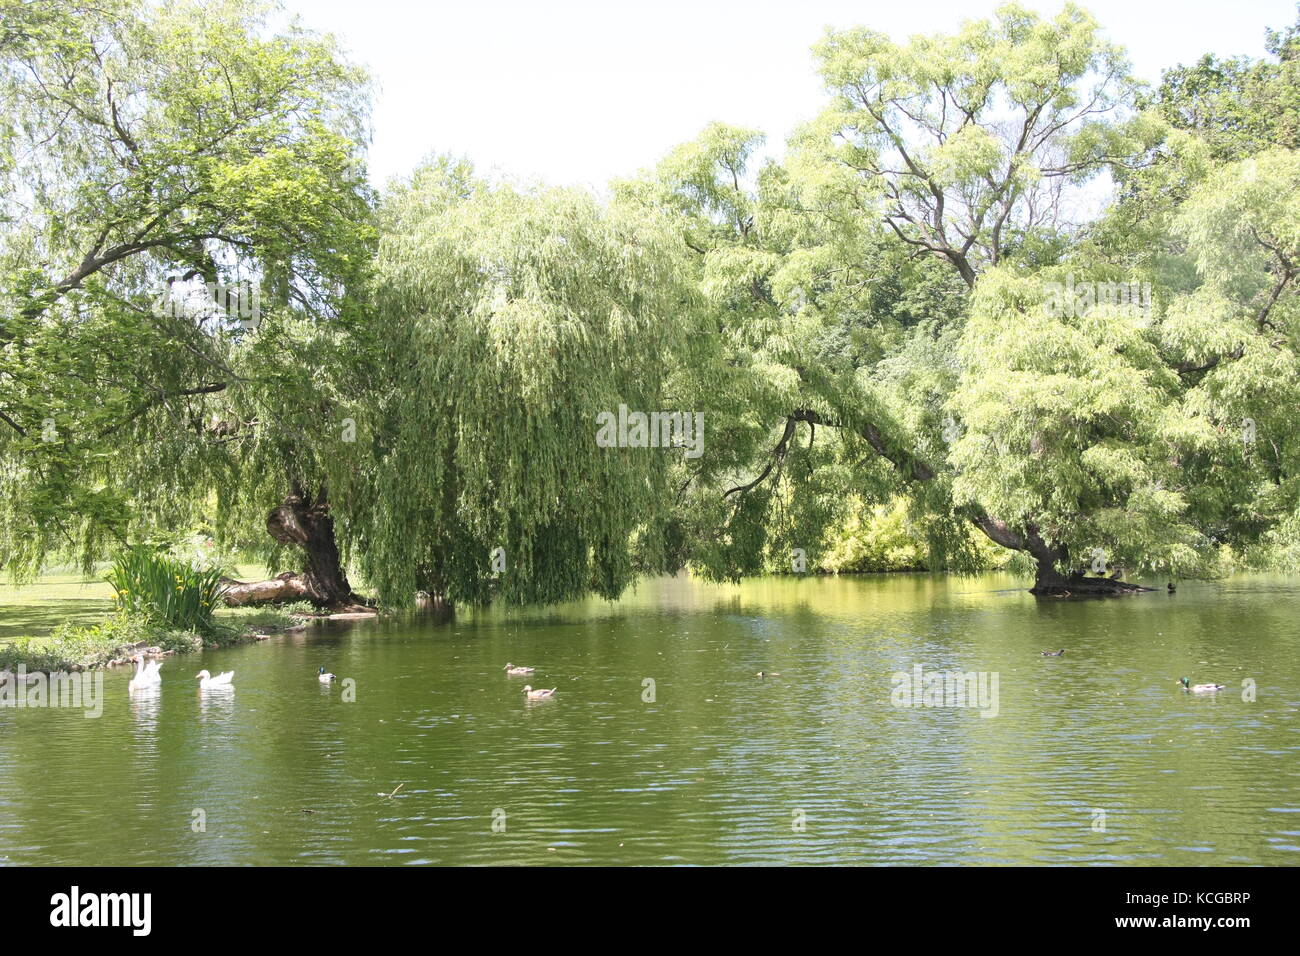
<point x="1048" y="581"/>
<point x="304" y="522"/>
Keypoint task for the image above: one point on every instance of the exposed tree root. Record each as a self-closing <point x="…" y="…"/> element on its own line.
<point x="1078" y="585"/>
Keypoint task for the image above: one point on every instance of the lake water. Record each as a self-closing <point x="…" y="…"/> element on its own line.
<point x="1096" y="756"/>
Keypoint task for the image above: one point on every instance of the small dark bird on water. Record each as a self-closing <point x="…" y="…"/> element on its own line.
<point x="1172" y="589"/>
<point x="1054" y="653"/>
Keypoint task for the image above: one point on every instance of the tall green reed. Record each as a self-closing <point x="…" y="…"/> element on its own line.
<point x="165" y="591"/>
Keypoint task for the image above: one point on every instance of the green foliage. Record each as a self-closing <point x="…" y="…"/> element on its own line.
<point x="888" y="537"/>
<point x="865" y="326"/>
<point x="890" y="282"/>
<point x="961" y="142"/>
<point x="1071" y="419"/>
<point x="164" y="591"/>
<point x="1237" y="105"/>
<point x="835" y="288"/>
<point x="1159" y="439"/>
<point x="149" y="148"/>
<point x="511" y="320"/>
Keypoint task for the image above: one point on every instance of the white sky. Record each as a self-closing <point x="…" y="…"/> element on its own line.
<point x="580" y="91"/>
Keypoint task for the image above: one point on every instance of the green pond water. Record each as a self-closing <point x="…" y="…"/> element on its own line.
<point x="1093" y="757"/>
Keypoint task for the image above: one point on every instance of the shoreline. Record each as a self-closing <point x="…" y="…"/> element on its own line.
<point x="76" y="649"/>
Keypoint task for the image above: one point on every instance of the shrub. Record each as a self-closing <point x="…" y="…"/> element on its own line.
<point x="875" y="538"/>
<point x="879" y="537"/>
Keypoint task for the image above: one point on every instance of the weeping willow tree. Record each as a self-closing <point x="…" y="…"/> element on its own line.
<point x="1158" y="440"/>
<point x="791" y="312"/>
<point x="507" y="323"/>
<point x="839" y="280"/>
<point x="184" y="215"/>
<point x="883" y="318"/>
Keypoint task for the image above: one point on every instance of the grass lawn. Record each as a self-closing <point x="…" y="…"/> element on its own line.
<point x="38" y="608"/>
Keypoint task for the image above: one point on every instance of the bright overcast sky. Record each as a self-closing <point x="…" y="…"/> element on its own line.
<point x="580" y="91"/>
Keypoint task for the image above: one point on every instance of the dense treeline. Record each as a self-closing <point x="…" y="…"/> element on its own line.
<point x="920" y="340"/>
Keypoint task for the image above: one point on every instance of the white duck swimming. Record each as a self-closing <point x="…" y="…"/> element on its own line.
<point x="146" y="675"/>
<point x="206" y="680"/>
<point x="324" y="676"/>
<point x="519" y="670"/>
<point x="539" y="694"/>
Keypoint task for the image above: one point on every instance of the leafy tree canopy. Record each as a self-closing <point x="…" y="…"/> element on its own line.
<point x="154" y="157"/>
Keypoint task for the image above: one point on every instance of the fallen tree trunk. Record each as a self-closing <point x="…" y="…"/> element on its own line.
<point x="284" y="588"/>
<point x="1048" y="581"/>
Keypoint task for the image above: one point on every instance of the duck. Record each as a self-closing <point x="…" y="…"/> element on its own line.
<point x="540" y="694"/>
<point x="1199" y="688"/>
<point x="518" y="670"/>
<point x="768" y="674"/>
<point x="324" y="676"/>
<point x="206" y="680"/>
<point x="146" y="675"/>
<point x="1054" y="653"/>
<point x="1171" y="588"/>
